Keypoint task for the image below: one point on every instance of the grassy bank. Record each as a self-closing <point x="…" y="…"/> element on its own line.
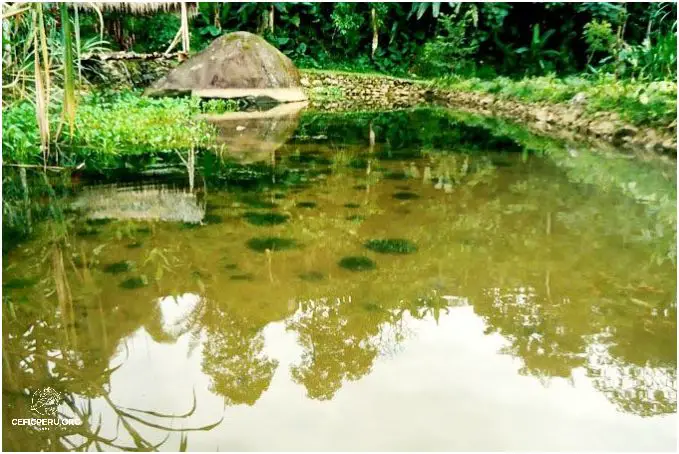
<point x="639" y="103"/>
<point x="108" y="125"/>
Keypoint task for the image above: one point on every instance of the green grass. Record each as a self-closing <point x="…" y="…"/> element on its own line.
<point x="108" y="125"/>
<point x="644" y="104"/>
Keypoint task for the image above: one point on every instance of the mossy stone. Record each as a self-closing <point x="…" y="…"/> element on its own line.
<point x="391" y="246"/>
<point x="262" y="243"/>
<point x="357" y="263"/>
<point x="262" y="219"/>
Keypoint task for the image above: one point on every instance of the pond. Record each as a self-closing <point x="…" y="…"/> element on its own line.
<point x="408" y="280"/>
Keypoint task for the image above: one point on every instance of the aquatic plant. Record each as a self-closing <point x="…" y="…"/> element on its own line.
<point x="391" y="246"/>
<point x="134" y="282"/>
<point x="357" y="263"/>
<point x="118" y="267"/>
<point x="262" y="243"/>
<point x="263" y="219"/>
<point x="405" y="195"/>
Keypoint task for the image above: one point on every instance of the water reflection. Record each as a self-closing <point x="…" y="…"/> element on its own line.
<point x="525" y="294"/>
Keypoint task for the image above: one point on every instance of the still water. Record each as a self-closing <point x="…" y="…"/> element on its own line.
<point x="410" y="280"/>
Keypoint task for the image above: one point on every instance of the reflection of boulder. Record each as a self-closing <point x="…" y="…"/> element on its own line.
<point x="149" y="202"/>
<point x="254" y="136"/>
<point x="235" y="65"/>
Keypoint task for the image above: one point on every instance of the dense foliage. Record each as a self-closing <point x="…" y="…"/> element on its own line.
<point x="434" y="38"/>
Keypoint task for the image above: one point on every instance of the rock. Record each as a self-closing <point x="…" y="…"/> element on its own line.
<point x="579" y="99"/>
<point x="602" y="128"/>
<point x="304" y="82"/>
<point x="235" y="65"/>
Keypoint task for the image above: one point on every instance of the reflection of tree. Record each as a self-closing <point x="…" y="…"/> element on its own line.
<point x="339" y="340"/>
<point x="643" y="390"/>
<point x="233" y="356"/>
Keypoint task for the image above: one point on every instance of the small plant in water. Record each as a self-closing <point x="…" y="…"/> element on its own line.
<point x="260" y="219"/>
<point x="135" y="282"/>
<point x="405" y="195"/>
<point x="118" y="267"/>
<point x="357" y="263"/>
<point x="391" y="246"/>
<point x="262" y="243"/>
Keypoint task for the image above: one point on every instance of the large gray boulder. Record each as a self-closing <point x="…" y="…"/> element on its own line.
<point x="235" y="65"/>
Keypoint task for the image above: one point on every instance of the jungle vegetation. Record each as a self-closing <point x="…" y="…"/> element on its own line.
<point x="621" y="55"/>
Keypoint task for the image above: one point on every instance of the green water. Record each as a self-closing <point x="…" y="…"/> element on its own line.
<point x="415" y="280"/>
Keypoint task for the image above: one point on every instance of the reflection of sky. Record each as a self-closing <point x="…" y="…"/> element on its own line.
<point x="445" y="388"/>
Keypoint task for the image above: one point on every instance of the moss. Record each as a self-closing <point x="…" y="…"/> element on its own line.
<point x="263" y="219"/>
<point x="405" y="195"/>
<point x="19" y="282"/>
<point x="357" y="263"/>
<point x="243" y="277"/>
<point x="305" y="204"/>
<point x="134" y="282"/>
<point x="391" y="246"/>
<point x="312" y="276"/>
<point x="351" y="205"/>
<point x="118" y="267"/>
<point x="262" y="243"/>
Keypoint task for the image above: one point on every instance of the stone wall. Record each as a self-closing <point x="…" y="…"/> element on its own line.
<point x="343" y="91"/>
<point x="126" y="73"/>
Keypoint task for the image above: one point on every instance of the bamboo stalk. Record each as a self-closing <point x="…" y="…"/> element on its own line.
<point x="186" y="45"/>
